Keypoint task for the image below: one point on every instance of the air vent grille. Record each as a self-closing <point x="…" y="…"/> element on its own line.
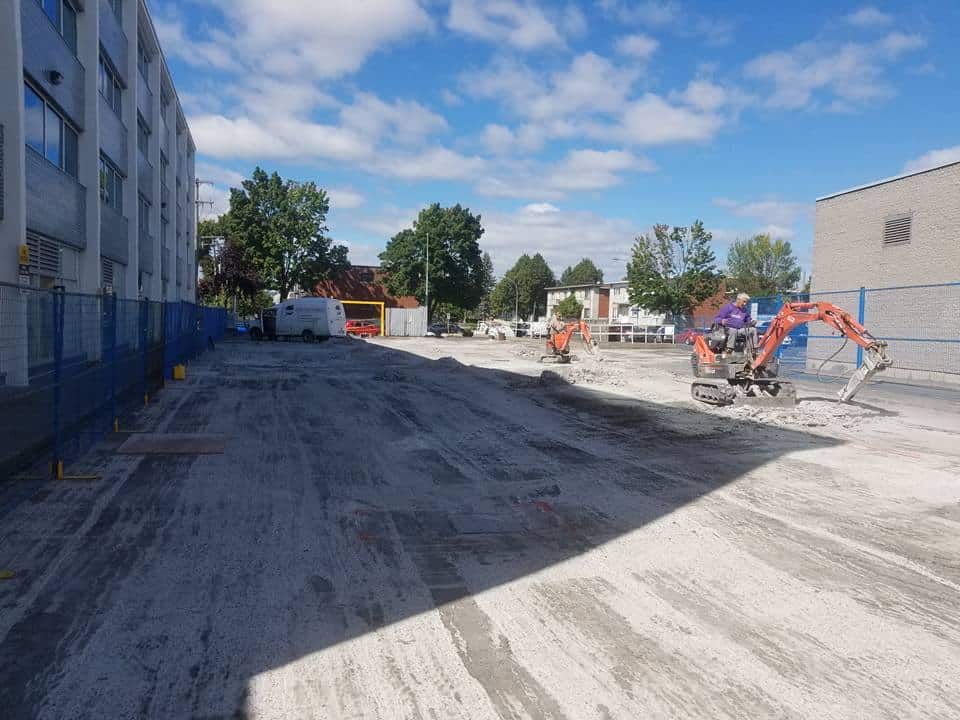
<point x="896" y="230"/>
<point x="44" y="256"/>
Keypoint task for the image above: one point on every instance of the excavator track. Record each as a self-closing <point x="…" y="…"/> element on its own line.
<point x="774" y="393"/>
<point x="713" y="392"/>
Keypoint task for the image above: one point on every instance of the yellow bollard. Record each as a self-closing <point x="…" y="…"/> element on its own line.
<point x="179" y="372"/>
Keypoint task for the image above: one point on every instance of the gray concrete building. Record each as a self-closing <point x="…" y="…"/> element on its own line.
<point x="96" y="159"/>
<point x="889" y="236"/>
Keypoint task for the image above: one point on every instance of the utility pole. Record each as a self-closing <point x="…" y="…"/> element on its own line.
<point x="516" y="306"/>
<point x="197" y="202"/>
<point x="427" y="283"/>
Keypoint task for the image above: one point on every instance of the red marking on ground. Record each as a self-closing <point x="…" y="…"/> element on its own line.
<point x="543" y="506"/>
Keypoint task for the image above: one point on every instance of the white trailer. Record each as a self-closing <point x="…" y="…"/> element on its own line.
<point x="309" y="318"/>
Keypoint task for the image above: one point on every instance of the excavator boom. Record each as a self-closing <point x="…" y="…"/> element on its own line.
<point x="558" y="345"/>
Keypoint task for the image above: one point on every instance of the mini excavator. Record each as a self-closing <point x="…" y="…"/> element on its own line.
<point x="558" y="344"/>
<point x="749" y="375"/>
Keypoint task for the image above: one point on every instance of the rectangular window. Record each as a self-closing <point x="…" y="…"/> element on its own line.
<point x="111" y="185"/>
<point x="63" y="17"/>
<point x="143" y="216"/>
<point x="143" y="61"/>
<point x="33" y="118"/>
<point x="143" y="137"/>
<point x="109" y="85"/>
<point x="117" y="6"/>
<point x="48" y="133"/>
<point x="52" y="9"/>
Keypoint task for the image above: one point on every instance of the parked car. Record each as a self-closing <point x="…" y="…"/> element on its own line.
<point x="442" y="329"/>
<point x="689" y="336"/>
<point x="362" y="328"/>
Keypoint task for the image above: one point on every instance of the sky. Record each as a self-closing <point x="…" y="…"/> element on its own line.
<point x="569" y="126"/>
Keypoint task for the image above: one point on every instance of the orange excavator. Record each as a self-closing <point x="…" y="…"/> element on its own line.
<point x="558" y="344"/>
<point x="749" y="375"/>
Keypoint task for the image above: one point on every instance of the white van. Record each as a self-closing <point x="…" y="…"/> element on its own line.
<point x="309" y="318"/>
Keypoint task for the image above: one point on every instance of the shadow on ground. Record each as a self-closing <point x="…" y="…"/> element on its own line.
<point x="362" y="486"/>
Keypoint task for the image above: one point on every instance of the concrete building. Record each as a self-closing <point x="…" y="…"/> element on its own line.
<point x="96" y="159"/>
<point x="894" y="233"/>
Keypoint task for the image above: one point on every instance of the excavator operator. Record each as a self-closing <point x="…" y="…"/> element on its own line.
<point x="556" y="325"/>
<point x="735" y="319"/>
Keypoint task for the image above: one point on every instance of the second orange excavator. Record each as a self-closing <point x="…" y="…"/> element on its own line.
<point x="558" y="344"/>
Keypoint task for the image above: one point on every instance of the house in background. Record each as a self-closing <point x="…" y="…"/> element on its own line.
<point x="604" y="302"/>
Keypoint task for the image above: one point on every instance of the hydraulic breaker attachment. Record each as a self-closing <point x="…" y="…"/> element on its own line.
<point x="875" y="359"/>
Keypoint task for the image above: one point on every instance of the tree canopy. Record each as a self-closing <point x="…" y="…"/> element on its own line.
<point x="569" y="308"/>
<point x="673" y="270"/>
<point x="524" y="284"/>
<point x="583" y="273"/>
<point x="761" y="265"/>
<point x="457" y="272"/>
<point x="282" y="226"/>
<point x="489" y="282"/>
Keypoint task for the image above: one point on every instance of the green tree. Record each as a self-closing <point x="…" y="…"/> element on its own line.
<point x="456" y="265"/>
<point x="761" y="265"/>
<point x="282" y="224"/>
<point x="569" y="308"/>
<point x="583" y="273"/>
<point x="489" y="282"/>
<point x="674" y="270"/>
<point x="527" y="282"/>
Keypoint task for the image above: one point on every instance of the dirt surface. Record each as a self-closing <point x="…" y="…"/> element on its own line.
<point x="427" y="528"/>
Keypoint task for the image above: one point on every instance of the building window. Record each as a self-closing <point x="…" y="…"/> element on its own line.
<point x="143" y="61"/>
<point x="143" y="216"/>
<point x="48" y="133"/>
<point x="143" y="136"/>
<point x="111" y="185"/>
<point x="64" y="18"/>
<point x="109" y="85"/>
<point x="117" y="6"/>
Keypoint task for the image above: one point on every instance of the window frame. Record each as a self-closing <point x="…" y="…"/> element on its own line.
<point x="143" y="60"/>
<point x="111" y="185"/>
<point x="60" y="22"/>
<point x="143" y="134"/>
<point x="68" y="164"/>
<point x="109" y="85"/>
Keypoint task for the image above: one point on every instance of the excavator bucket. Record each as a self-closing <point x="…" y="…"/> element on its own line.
<point x="875" y="359"/>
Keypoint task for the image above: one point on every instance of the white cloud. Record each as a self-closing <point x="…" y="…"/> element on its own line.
<point x="404" y="121"/>
<point x="868" y="16"/>
<point x="450" y="98"/>
<point x="199" y="53"/>
<point x="562" y="236"/>
<point x="219" y="175"/>
<point x="651" y="120"/>
<point x="671" y="15"/>
<point x="934" y="158"/>
<point x="771" y="212"/>
<point x="847" y="76"/>
<point x="638" y="46"/>
<point x="573" y="22"/>
<point x="519" y="23"/>
<point x="435" y="163"/>
<point x="578" y="171"/>
<point x="704" y="95"/>
<point x="345" y="198"/>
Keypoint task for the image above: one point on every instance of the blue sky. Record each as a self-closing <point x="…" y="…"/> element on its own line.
<point x="570" y="126"/>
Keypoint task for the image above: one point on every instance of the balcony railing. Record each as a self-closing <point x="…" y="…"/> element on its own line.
<point x="56" y="203"/>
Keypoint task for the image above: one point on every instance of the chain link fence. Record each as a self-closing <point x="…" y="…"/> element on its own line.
<point x="920" y="324"/>
<point x="71" y="365"/>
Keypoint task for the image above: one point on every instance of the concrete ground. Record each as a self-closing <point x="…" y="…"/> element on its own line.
<point x="420" y="528"/>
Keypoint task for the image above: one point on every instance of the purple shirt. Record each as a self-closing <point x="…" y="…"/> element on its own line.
<point x="735" y="317"/>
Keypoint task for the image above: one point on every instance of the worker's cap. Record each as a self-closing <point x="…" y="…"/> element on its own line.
<point x="743" y="296"/>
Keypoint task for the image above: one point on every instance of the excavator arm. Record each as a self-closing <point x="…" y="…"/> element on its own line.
<point x="558" y="345"/>
<point x="792" y="315"/>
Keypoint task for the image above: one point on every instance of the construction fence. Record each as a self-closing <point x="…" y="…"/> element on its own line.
<point x="72" y="364"/>
<point x="919" y="323"/>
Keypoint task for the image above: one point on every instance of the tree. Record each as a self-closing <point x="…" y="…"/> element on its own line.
<point x="761" y="265"/>
<point x="524" y="285"/>
<point x="569" y="308"/>
<point x="228" y="275"/>
<point x="583" y="273"/>
<point x="489" y="282"/>
<point x="456" y="267"/>
<point x="674" y="270"/>
<point x="282" y="224"/>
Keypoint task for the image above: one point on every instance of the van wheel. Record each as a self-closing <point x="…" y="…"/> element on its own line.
<point x="256" y="334"/>
<point x="307" y="336"/>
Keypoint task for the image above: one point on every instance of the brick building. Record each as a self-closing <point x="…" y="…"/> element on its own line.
<point x="363" y="282"/>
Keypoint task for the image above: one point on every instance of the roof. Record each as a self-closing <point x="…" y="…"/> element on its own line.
<point x="888" y="180"/>
<point x="602" y="286"/>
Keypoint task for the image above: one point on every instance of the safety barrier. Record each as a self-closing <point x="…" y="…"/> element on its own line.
<point x="72" y="364"/>
<point x="919" y="323"/>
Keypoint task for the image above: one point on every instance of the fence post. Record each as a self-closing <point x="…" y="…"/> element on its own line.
<point x="144" y="338"/>
<point x="861" y="314"/>
<point x="59" y="298"/>
<point x="111" y="302"/>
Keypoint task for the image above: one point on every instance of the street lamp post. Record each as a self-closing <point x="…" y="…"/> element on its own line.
<point x="427" y="281"/>
<point x="516" y="306"/>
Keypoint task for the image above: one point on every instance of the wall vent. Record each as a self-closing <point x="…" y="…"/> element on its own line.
<point x="106" y="270"/>
<point x="896" y="230"/>
<point x="44" y="256"/>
